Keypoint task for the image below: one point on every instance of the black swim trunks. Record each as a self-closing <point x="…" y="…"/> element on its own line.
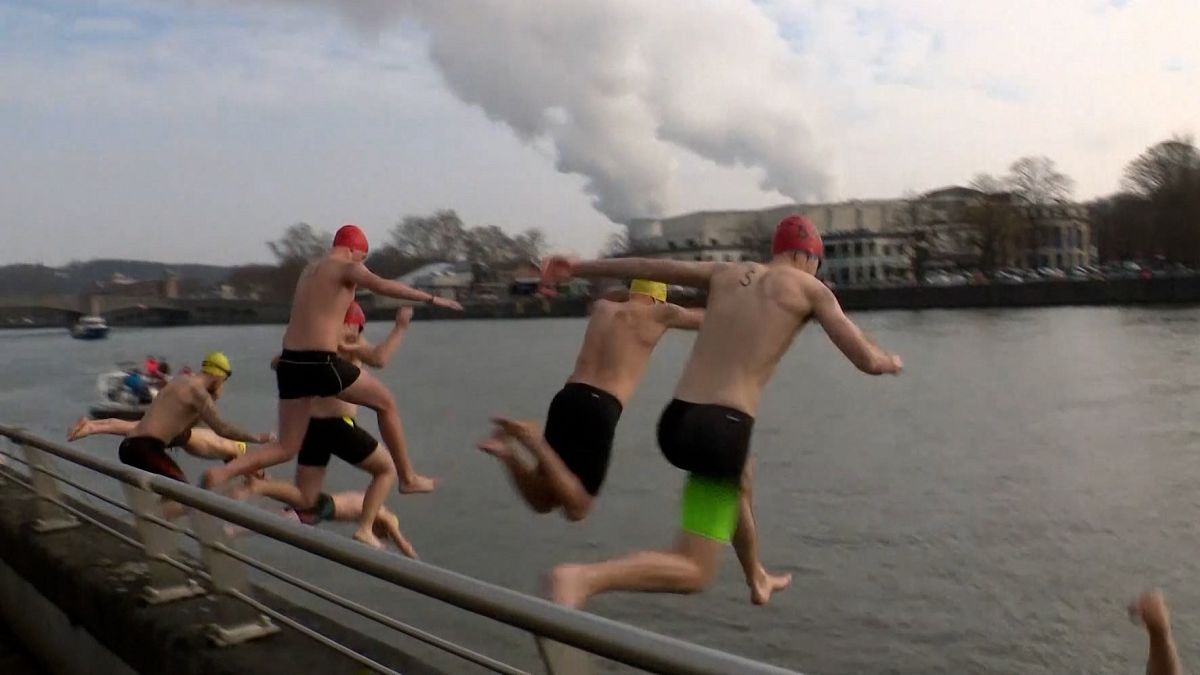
<point x="308" y="374"/>
<point x="339" y="436"/>
<point x="580" y="427"/>
<point x="322" y="510"/>
<point x="149" y="454"/>
<point x="705" y="439"/>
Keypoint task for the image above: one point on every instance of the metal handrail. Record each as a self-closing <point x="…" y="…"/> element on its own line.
<point x="603" y="637"/>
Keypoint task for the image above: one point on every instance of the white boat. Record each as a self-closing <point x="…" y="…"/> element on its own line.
<point x="90" y="328"/>
<point x="116" y="399"/>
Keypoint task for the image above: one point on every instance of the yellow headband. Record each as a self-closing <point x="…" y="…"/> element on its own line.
<point x="654" y="289"/>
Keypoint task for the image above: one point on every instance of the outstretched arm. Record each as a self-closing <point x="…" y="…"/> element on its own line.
<point x="848" y="338"/>
<point x="377" y="356"/>
<point x="684" y="273"/>
<point x="208" y="413"/>
<point x="361" y="276"/>
<point x="684" y="318"/>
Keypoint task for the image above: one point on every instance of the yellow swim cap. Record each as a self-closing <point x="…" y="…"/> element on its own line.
<point x="654" y="289"/>
<point x="216" y="364"/>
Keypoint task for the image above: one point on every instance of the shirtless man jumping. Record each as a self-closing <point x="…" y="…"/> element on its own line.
<point x="168" y="421"/>
<point x="754" y="312"/>
<point x="310" y="367"/>
<point x="333" y="430"/>
<point x="197" y="442"/>
<point x="573" y="454"/>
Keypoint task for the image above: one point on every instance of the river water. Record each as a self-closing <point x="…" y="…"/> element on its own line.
<point x="989" y="511"/>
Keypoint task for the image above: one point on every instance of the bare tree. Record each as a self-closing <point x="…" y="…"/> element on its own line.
<point x="1038" y="181"/>
<point x="531" y="244"/>
<point x="300" y="243"/>
<point x="1000" y="230"/>
<point x="1164" y="165"/>
<point x="986" y="182"/>
<point x="440" y="236"/>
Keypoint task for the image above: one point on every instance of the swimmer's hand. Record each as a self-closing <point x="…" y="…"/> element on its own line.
<point x="404" y="316"/>
<point x="894" y="365"/>
<point x="275" y="362"/>
<point x="438" y="301"/>
<point x="557" y="269"/>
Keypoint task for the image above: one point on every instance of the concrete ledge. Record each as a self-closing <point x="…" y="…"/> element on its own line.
<point x="94" y="580"/>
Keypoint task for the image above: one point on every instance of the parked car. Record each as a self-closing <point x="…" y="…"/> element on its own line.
<point x="1051" y="273"/>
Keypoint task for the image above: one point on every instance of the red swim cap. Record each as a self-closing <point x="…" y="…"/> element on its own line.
<point x="354" y="315"/>
<point x="351" y="237"/>
<point x="797" y="233"/>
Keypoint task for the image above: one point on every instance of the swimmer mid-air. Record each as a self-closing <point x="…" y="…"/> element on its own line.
<point x="754" y="312"/>
<point x="573" y="453"/>
<point x="310" y="367"/>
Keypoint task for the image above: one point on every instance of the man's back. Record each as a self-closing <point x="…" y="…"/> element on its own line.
<point x="754" y="312"/>
<point x="617" y="345"/>
<point x="318" y="305"/>
<point x="173" y="411"/>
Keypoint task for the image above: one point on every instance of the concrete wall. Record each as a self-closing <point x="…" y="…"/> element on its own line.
<point x="73" y="597"/>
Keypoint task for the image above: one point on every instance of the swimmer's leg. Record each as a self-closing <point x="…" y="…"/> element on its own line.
<point x="1151" y="611"/>
<point x="688" y="568"/>
<point x="300" y="495"/>
<point x="369" y="391"/>
<point x="293" y="424"/>
<point x="206" y="444"/>
<point x="85" y="427"/>
<point x="383" y="475"/>
<point x="531" y="484"/>
<point x="710" y="515"/>
<point x="745" y="543"/>
<point x="563" y="484"/>
<point x="388" y="525"/>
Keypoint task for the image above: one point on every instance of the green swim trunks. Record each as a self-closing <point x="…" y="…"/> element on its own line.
<point x="710" y="507"/>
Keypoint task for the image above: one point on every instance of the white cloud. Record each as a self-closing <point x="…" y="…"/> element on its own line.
<point x="206" y="133"/>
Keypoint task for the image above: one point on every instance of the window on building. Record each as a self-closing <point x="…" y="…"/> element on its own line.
<point x="692" y="243"/>
<point x="844" y="276"/>
<point x="858" y="248"/>
<point x="887" y="250"/>
<point x="671" y="245"/>
<point x="713" y="242"/>
<point x="1059" y="261"/>
<point x="1062" y="238"/>
<point x="870" y="248"/>
<point x="696" y="258"/>
<point x="874" y="273"/>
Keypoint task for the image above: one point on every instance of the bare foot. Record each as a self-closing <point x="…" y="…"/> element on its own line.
<point x="1150" y="609"/>
<point x="497" y="445"/>
<point x="524" y="431"/>
<point x="416" y="484"/>
<point x="368" y="538"/>
<point x="212" y="479"/>
<point x="566" y="585"/>
<point x="78" y="429"/>
<point x="765" y="584"/>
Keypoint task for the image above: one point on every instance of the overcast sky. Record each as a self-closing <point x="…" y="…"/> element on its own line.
<point x="193" y="131"/>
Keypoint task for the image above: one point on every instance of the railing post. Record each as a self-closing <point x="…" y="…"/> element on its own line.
<point x="51" y="516"/>
<point x="164" y="584"/>
<point x="236" y="623"/>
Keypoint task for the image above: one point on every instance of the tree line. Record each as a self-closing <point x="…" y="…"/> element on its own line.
<point x="413" y="242"/>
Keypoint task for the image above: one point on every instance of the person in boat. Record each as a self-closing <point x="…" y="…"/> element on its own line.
<point x="334" y="430"/>
<point x="754" y="312"/>
<point x="168" y="422"/>
<point x="310" y="367"/>
<point x="1150" y="610"/>
<point x="138" y="385"/>
<point x="571" y="456"/>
